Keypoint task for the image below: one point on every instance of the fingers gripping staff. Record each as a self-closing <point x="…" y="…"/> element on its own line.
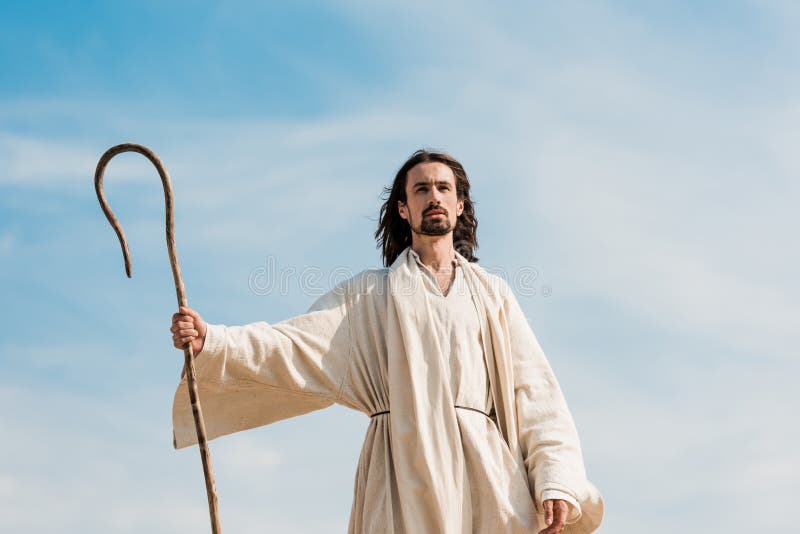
<point x="188" y="352"/>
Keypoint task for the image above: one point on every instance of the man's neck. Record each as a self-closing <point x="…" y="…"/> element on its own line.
<point x="436" y="252"/>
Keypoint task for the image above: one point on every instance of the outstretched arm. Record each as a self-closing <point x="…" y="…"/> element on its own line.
<point x="259" y="373"/>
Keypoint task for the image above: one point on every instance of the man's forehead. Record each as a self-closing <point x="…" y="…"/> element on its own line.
<point x="430" y="172"/>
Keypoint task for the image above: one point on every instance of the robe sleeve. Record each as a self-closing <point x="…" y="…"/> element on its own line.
<point x="547" y="434"/>
<point x="260" y="373"/>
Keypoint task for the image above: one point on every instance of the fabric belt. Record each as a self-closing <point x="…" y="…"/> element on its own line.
<point x="456" y="406"/>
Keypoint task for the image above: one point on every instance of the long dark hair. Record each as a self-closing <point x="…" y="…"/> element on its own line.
<point x="394" y="233"/>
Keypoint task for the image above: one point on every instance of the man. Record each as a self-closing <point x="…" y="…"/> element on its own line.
<point x="469" y="431"/>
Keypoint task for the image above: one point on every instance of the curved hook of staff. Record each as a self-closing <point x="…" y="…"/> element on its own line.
<point x="188" y="352"/>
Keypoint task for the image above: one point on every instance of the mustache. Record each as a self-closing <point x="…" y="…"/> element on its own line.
<point x="434" y="208"/>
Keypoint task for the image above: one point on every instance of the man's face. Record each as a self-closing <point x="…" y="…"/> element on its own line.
<point x="432" y="206"/>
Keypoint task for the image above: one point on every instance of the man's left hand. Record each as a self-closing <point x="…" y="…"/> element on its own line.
<point x="555" y="516"/>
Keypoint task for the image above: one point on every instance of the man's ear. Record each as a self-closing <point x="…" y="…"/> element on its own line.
<point x="402" y="209"/>
<point x="460" y="208"/>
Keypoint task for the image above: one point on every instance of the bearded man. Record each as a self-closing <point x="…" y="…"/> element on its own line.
<point x="468" y="431"/>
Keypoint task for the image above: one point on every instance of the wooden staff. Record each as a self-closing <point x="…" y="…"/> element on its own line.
<point x="188" y="352"/>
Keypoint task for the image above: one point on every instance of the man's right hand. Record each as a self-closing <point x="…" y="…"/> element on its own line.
<point x="188" y="326"/>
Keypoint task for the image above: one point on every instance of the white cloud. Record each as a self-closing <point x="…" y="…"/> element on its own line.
<point x="7" y="242"/>
<point x="244" y="456"/>
<point x="35" y="161"/>
<point x="641" y="185"/>
<point x="714" y="443"/>
<point x="662" y="245"/>
<point x="106" y="464"/>
<point x="8" y="486"/>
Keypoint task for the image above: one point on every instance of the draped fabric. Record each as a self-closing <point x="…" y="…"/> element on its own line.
<point x="376" y="343"/>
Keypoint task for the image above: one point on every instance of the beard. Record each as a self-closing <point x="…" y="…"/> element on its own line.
<point x="433" y="226"/>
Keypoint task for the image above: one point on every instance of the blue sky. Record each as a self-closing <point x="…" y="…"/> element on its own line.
<point x="640" y="158"/>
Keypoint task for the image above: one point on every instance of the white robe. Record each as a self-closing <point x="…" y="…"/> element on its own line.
<point x="459" y="331"/>
<point x="426" y="466"/>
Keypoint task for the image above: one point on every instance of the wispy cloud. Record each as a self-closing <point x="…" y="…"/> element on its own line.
<point x="642" y="165"/>
<point x="115" y="470"/>
<point x="7" y="240"/>
<point x="35" y="161"/>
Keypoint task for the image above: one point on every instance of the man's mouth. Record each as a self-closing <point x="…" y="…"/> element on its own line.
<point x="434" y="213"/>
